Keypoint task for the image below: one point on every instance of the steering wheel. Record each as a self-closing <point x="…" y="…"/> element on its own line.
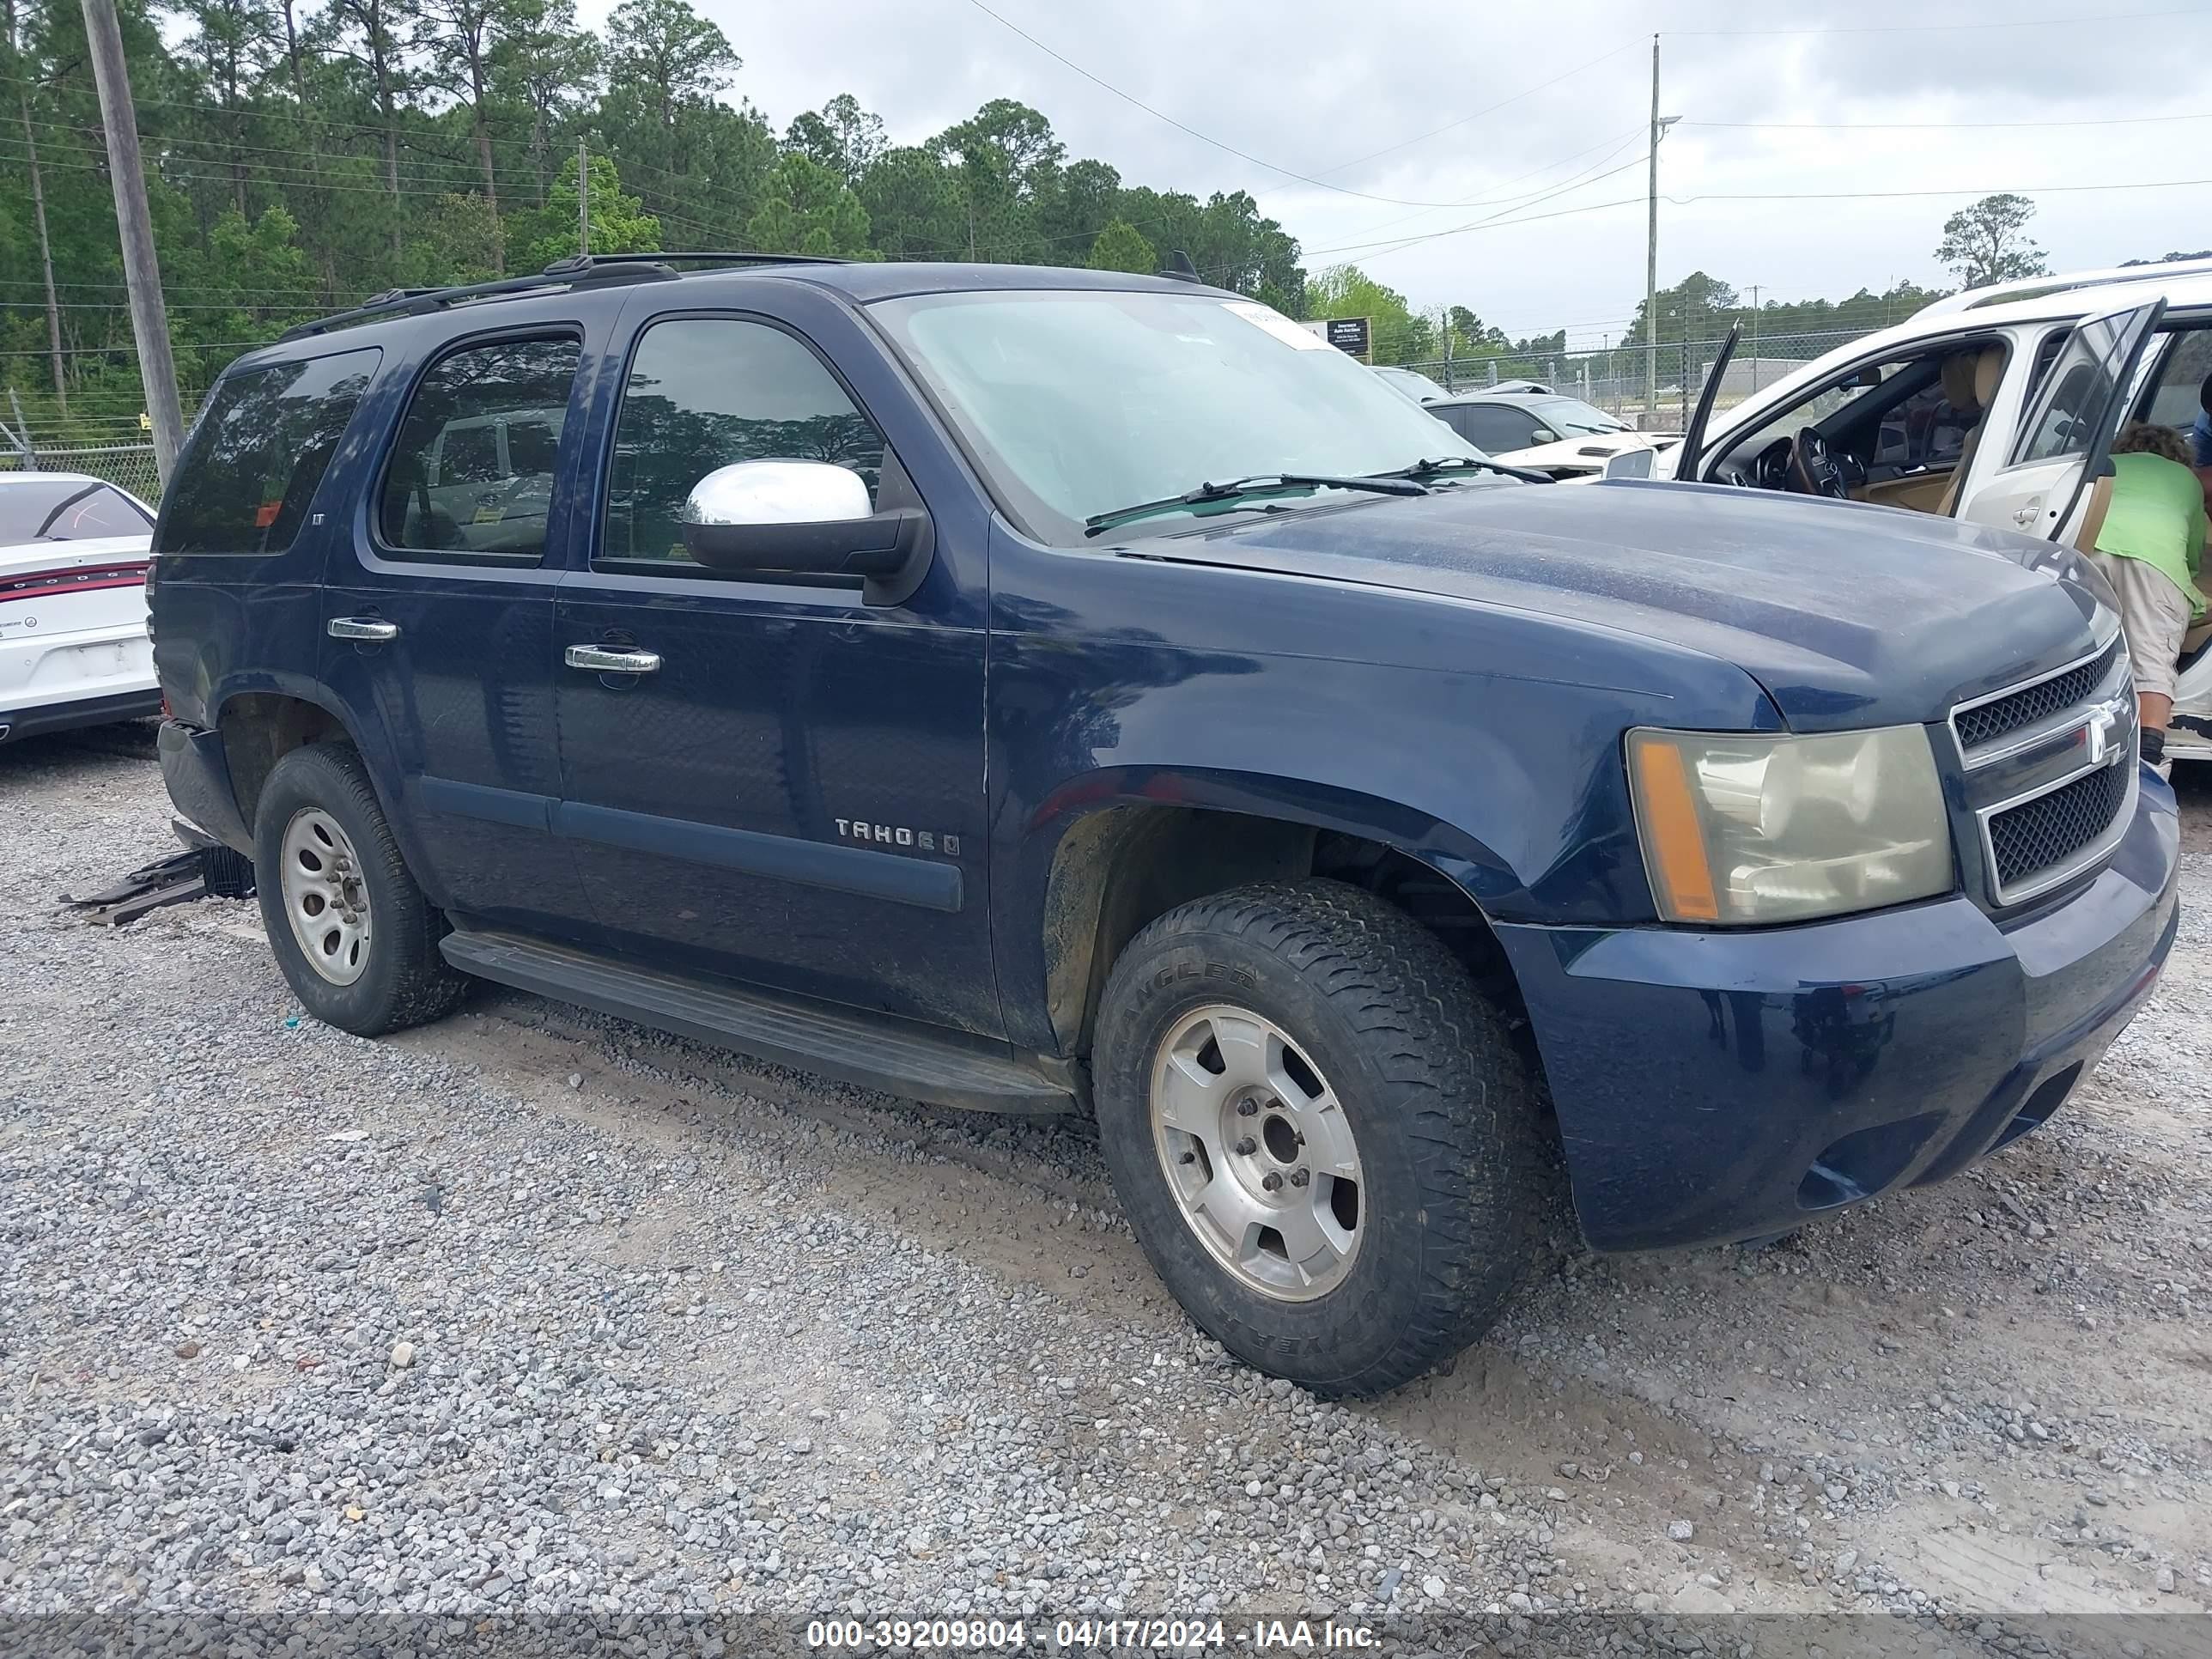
<point x="1812" y="470"/>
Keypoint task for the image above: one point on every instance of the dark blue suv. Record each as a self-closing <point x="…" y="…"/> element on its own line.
<point x="1055" y="692"/>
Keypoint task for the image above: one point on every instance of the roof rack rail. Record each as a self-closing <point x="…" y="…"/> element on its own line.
<point x="577" y="271"/>
<point x="2037" y="287"/>
<point x="696" y="256"/>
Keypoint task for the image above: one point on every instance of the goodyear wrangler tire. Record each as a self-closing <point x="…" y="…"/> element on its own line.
<point x="1323" y="1138"/>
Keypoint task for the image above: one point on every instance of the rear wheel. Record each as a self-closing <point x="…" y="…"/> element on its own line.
<point x="356" y="938"/>
<point x="1324" y="1140"/>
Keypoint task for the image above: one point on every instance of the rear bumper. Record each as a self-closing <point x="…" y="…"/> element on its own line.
<point x="197" y="775"/>
<point x="1713" y="1086"/>
<point x="69" y="714"/>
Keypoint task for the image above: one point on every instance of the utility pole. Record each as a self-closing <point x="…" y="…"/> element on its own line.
<point x="142" y="270"/>
<point x="583" y="199"/>
<point x="1754" y="336"/>
<point x="1650" y="258"/>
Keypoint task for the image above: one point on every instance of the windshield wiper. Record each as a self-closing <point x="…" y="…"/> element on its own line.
<point x="1453" y="463"/>
<point x="1259" y="484"/>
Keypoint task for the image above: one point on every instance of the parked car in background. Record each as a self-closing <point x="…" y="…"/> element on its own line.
<point x="1414" y="384"/>
<point x="1998" y="406"/>
<point x="73" y="648"/>
<point x="1563" y="437"/>
<point x="893" y="682"/>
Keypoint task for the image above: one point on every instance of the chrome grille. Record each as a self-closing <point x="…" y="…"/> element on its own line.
<point x="2050" y="773"/>
<point x="1981" y="724"/>
<point x="2048" y="831"/>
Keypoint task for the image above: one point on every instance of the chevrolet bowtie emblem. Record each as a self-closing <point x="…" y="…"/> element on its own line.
<point x="2098" y="734"/>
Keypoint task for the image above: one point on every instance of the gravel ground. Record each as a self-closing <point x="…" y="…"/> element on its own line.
<point x="533" y="1311"/>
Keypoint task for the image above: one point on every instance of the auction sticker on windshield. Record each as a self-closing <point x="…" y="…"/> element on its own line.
<point x="1272" y="321"/>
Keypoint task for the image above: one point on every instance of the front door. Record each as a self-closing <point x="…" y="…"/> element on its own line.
<point x="439" y="626"/>
<point x="2065" y="434"/>
<point x="762" y="780"/>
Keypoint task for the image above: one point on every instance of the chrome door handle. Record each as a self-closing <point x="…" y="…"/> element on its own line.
<point x="611" y="659"/>
<point x="372" y="630"/>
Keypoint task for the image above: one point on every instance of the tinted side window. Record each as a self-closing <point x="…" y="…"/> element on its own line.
<point x="1493" y="427"/>
<point x="707" y="391"/>
<point x="259" y="452"/>
<point x="446" y="490"/>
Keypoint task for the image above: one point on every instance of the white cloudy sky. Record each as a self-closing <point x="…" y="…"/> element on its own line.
<point x="1311" y="88"/>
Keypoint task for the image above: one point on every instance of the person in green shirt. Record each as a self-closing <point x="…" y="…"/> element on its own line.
<point x="2150" y="548"/>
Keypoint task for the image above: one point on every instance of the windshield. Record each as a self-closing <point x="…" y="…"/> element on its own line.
<point x="1080" y="403"/>
<point x="65" y="510"/>
<point x="1573" y="417"/>
<point x="1414" y="384"/>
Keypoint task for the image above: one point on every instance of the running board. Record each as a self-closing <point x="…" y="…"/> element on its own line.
<point x="896" y="1057"/>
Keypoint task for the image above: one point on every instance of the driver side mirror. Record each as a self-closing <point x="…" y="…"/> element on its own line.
<point x="807" y="520"/>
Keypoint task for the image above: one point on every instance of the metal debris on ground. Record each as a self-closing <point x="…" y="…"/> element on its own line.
<point x="204" y="869"/>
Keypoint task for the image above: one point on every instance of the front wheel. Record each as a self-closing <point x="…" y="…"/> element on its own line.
<point x="356" y="939"/>
<point x="1324" y="1137"/>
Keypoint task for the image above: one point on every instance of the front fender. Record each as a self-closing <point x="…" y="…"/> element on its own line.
<point x="1483" y="741"/>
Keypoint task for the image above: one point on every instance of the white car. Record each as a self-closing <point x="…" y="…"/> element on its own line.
<point x="73" y="645"/>
<point x="1572" y="441"/>
<point x="1998" y="405"/>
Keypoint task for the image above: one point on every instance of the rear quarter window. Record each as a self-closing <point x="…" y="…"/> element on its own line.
<point x="258" y="454"/>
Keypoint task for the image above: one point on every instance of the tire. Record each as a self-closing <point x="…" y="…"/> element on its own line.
<point x="1380" y="1032"/>
<point x="384" y="973"/>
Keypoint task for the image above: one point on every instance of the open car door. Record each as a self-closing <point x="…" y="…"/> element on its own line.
<point x="1693" y="435"/>
<point x="2064" y="440"/>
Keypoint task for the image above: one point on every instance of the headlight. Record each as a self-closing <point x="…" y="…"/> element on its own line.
<point x="1744" y="828"/>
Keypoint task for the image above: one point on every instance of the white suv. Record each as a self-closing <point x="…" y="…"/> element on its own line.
<point x="1997" y="405"/>
<point x="73" y="646"/>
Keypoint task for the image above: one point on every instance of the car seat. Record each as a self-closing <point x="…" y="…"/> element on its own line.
<point x="1970" y="381"/>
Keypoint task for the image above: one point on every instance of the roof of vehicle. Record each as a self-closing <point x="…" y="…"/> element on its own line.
<point x="864" y="282"/>
<point x="1975" y="299"/>
<point x="12" y="476"/>
<point x="2191" y="288"/>
<point x="1512" y="400"/>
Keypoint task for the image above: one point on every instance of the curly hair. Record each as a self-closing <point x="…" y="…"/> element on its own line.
<point x="2146" y="438"/>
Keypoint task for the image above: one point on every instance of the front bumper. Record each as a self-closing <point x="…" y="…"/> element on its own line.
<point x="1713" y="1086"/>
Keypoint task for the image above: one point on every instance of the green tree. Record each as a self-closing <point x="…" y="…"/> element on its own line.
<point x="551" y="68"/>
<point x="458" y="40"/>
<point x="620" y="223"/>
<point x="842" y="136"/>
<point x="809" y="209"/>
<point x="914" y="205"/>
<point x="1989" y="242"/>
<point x="1122" y="246"/>
<point x="1396" y="335"/>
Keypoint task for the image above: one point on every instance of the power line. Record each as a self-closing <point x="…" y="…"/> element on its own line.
<point x="1219" y="144"/>
<point x="2072" y="21"/>
<point x="1493" y="109"/>
<point x="1975" y="191"/>
<point x="1935" y="126"/>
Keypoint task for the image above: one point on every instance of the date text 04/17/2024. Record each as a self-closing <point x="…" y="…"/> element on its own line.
<point x="1089" y="1635"/>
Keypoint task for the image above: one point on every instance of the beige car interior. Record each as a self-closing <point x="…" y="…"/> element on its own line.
<point x="1970" y="381"/>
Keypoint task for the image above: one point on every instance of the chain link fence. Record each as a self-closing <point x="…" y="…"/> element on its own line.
<point x="1614" y="379"/>
<point x="127" y="466"/>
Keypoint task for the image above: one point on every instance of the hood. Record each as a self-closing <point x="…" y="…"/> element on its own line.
<point x="1849" y="616"/>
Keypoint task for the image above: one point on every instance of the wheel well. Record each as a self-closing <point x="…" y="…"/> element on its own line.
<point x="259" y="729"/>
<point x="1118" y="869"/>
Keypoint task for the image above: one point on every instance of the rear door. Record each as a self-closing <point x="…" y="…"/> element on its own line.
<point x="438" y="623"/>
<point x="2065" y="434"/>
